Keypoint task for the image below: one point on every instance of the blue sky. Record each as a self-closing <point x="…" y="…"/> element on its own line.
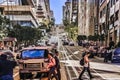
<point x="56" y="6"/>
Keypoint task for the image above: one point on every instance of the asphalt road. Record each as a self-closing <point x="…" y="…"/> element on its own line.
<point x="99" y="69"/>
<point x="70" y="68"/>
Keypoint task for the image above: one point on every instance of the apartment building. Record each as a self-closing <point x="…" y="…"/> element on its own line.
<point x="86" y="17"/>
<point x="114" y="23"/>
<point x="81" y="17"/>
<point x="74" y="11"/>
<point x="20" y="12"/>
<point x="43" y="11"/>
<point x="96" y="16"/>
<point x="70" y="11"/>
<point x="109" y="20"/>
<point x="67" y="11"/>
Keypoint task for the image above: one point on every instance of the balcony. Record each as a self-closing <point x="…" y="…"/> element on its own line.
<point x="102" y="20"/>
<point x="40" y="12"/>
<point x="112" y="10"/>
<point x="16" y="9"/>
<point x="19" y="17"/>
<point x="40" y="16"/>
<point x="117" y="6"/>
<point x="22" y="18"/>
<point x="116" y="23"/>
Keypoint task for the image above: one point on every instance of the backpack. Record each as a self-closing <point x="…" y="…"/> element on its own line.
<point x="57" y="65"/>
<point x="81" y="62"/>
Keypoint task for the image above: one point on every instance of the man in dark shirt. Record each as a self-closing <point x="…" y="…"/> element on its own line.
<point x="57" y="64"/>
<point x="6" y="68"/>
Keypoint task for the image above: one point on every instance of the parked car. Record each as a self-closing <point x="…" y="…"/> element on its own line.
<point x="9" y="54"/>
<point x="116" y="55"/>
<point x="65" y="42"/>
<point x="71" y="43"/>
<point x="33" y="62"/>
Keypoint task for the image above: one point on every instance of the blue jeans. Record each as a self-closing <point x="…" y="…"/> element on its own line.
<point x="6" y="77"/>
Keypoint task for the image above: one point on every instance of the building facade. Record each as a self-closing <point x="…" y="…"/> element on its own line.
<point x="74" y="11"/>
<point x="67" y="11"/>
<point x="81" y="17"/>
<point x="86" y="17"/>
<point x="70" y="11"/>
<point x="109" y="20"/>
<point x="43" y="11"/>
<point x="20" y="12"/>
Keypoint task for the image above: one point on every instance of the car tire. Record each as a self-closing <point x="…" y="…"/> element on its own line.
<point x="112" y="61"/>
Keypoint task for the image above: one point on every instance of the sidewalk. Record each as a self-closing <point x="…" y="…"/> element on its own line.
<point x="96" y="57"/>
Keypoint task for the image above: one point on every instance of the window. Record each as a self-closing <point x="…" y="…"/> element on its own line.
<point x="112" y="2"/>
<point x="112" y="19"/>
<point x="33" y="54"/>
<point x="116" y="15"/>
<point x="100" y="14"/>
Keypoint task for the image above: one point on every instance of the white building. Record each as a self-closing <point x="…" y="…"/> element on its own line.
<point x="20" y="12"/>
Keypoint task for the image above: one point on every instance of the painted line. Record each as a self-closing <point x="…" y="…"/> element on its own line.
<point x="66" y="66"/>
<point x="112" y="78"/>
<point x="76" y="73"/>
<point x="15" y="74"/>
<point x="97" y="73"/>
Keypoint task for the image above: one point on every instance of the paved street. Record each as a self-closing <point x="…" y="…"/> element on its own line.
<point x="100" y="70"/>
<point x="37" y="28"/>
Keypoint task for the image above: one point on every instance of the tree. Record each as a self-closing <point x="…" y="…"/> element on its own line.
<point x="66" y="22"/>
<point x="25" y="34"/>
<point x="81" y="37"/>
<point x="93" y="38"/>
<point x="3" y="25"/>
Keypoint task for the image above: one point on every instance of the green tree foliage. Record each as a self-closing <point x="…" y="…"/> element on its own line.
<point x="93" y="38"/>
<point x="81" y="37"/>
<point x="66" y="22"/>
<point x="3" y="26"/>
<point x="24" y="33"/>
<point x="102" y="37"/>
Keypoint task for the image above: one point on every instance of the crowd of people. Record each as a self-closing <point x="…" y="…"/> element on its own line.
<point x="99" y="50"/>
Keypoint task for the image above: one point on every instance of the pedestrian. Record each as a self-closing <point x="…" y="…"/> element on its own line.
<point x="57" y="64"/>
<point x="106" y="55"/>
<point x="6" y="68"/>
<point x="86" y="66"/>
<point x="51" y="66"/>
<point x="111" y="43"/>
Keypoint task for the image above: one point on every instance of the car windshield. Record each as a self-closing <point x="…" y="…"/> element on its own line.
<point x="33" y="54"/>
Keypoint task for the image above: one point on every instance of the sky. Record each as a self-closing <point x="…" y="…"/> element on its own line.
<point x="56" y="6"/>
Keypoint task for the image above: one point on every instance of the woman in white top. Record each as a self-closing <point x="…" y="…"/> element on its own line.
<point x="86" y="66"/>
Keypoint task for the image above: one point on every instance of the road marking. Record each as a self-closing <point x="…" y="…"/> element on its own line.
<point x="67" y="67"/>
<point x="76" y="52"/>
<point x="76" y="73"/>
<point x="15" y="74"/>
<point x="112" y="78"/>
<point x="98" y="73"/>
